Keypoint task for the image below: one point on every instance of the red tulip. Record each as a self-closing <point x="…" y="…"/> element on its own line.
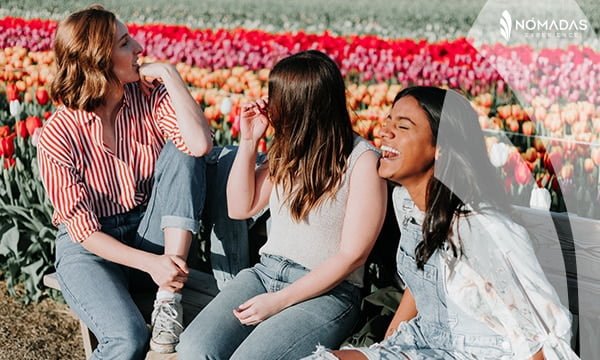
<point x="21" y="129"/>
<point x="9" y="162"/>
<point x="262" y="146"/>
<point x="32" y="123"/>
<point x="41" y="96"/>
<point x="8" y="146"/>
<point x="12" y="93"/>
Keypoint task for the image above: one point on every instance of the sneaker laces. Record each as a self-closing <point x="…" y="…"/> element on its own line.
<point x="166" y="319"/>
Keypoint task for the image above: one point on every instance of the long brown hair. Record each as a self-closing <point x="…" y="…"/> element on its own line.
<point x="463" y="172"/>
<point x="83" y="51"/>
<point x="313" y="134"/>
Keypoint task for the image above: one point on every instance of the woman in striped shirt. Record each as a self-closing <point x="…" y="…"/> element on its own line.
<point x="121" y="161"/>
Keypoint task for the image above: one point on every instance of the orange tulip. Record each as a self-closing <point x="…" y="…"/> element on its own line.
<point x="504" y="111"/>
<point x="4" y="131"/>
<point x="528" y="128"/>
<point x="530" y="155"/>
<point x="588" y="165"/>
<point x="518" y="112"/>
<point x="567" y="171"/>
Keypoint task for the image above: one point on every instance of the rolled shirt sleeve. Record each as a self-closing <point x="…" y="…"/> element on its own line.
<point x="166" y="120"/>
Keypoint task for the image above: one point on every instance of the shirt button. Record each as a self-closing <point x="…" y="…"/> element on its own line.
<point x="506" y="345"/>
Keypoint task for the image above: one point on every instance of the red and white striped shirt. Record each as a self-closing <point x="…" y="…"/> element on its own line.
<point x="84" y="179"/>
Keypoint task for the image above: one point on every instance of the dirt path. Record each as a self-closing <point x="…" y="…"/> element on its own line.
<point x="37" y="331"/>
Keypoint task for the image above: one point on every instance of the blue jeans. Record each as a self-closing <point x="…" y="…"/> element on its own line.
<point x="291" y="334"/>
<point x="98" y="290"/>
<point x="229" y="250"/>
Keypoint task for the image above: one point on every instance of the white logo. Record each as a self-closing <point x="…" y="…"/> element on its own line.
<point x="542" y="28"/>
<point x="506" y="25"/>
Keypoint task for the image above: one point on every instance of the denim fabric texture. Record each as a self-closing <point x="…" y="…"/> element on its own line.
<point x="291" y="334"/>
<point x="99" y="290"/>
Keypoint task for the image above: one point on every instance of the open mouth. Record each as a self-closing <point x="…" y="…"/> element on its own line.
<point x="388" y="152"/>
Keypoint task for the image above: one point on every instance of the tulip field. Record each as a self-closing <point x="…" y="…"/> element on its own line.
<point x="547" y="148"/>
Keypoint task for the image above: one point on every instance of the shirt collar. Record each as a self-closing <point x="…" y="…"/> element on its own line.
<point x="88" y="116"/>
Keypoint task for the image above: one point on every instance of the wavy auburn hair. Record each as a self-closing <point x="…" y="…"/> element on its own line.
<point x="313" y="134"/>
<point x="83" y="51"/>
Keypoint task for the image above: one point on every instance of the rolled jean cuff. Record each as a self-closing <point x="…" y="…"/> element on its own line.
<point x="180" y="222"/>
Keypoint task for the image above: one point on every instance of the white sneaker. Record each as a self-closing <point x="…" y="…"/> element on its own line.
<point x="167" y="325"/>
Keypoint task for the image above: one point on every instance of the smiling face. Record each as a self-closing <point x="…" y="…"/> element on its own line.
<point x="125" y="54"/>
<point x="408" y="149"/>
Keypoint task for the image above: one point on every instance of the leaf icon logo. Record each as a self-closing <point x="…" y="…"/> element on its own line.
<point x="506" y="25"/>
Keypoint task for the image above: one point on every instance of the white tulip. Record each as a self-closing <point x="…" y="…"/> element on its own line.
<point x="540" y="199"/>
<point x="14" y="108"/>
<point x="226" y="106"/>
<point x="499" y="154"/>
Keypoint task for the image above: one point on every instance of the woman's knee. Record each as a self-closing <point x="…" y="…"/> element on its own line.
<point x="129" y="342"/>
<point x="200" y="347"/>
<point x="173" y="158"/>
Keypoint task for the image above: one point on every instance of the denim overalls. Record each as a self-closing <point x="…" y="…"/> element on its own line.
<point x="440" y="330"/>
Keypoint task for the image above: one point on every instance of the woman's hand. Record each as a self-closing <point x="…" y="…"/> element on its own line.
<point x="259" y="308"/>
<point x="254" y="121"/>
<point x="152" y="74"/>
<point x="169" y="272"/>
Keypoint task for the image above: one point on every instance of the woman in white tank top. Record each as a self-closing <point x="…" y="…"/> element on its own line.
<point x="318" y="181"/>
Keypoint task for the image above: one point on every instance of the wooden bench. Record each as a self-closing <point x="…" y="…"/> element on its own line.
<point x="200" y="289"/>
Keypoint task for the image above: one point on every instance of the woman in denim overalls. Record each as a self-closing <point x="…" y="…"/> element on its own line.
<point x="474" y="288"/>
